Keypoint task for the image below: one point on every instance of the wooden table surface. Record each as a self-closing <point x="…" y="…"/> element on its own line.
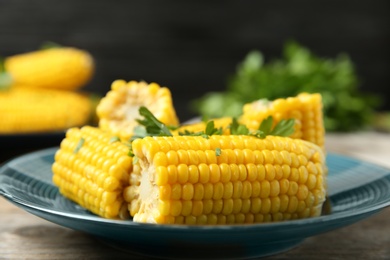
<point x="25" y="236"/>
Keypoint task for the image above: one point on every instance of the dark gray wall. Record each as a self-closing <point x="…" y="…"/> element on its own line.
<point x="192" y="46"/>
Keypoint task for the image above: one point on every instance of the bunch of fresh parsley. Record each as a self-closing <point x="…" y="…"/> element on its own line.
<point x="346" y="108"/>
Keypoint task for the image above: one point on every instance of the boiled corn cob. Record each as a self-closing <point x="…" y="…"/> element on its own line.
<point x="62" y="68"/>
<point x="118" y="110"/>
<point x="25" y="110"/>
<point x="225" y="179"/>
<point x="305" y="108"/>
<point x="92" y="169"/>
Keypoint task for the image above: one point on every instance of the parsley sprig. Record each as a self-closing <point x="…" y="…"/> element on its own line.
<point x="210" y="129"/>
<point x="150" y="126"/>
<point x="5" y="77"/>
<point x="282" y="128"/>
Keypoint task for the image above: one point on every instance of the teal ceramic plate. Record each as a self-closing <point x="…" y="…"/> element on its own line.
<point x="357" y="190"/>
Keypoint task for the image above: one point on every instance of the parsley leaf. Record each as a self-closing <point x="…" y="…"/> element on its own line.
<point x="79" y="145"/>
<point x="266" y="125"/>
<point x="114" y="139"/>
<point x="149" y="125"/>
<point x="238" y="129"/>
<point x="211" y="130"/>
<point x="5" y="78"/>
<point x="283" y="128"/>
<point x="346" y="107"/>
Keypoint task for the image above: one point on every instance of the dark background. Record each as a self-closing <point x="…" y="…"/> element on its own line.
<point x="193" y="46"/>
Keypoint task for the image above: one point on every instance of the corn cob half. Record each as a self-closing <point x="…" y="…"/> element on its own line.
<point x="92" y="169"/>
<point x="62" y="68"/>
<point x="118" y="110"/>
<point x="305" y="108"/>
<point x="25" y="110"/>
<point x="225" y="180"/>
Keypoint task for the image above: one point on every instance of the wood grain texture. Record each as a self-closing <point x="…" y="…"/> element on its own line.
<point x="193" y="46"/>
<point x="24" y="236"/>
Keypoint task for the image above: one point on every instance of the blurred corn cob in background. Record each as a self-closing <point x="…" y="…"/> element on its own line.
<point x="118" y="110"/>
<point x="25" y="110"/>
<point x="92" y="169"/>
<point x="39" y="91"/>
<point x="54" y="68"/>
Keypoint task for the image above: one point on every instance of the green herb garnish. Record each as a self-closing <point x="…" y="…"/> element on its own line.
<point x="283" y="128"/>
<point x="50" y="45"/>
<point x="79" y="145"/>
<point x="114" y="139"/>
<point x="209" y="130"/>
<point x="135" y="159"/>
<point x="238" y="129"/>
<point x="5" y="78"/>
<point x="150" y="126"/>
<point x="299" y="70"/>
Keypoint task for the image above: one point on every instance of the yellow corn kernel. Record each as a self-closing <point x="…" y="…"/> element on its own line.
<point x="60" y="68"/>
<point x="274" y="188"/>
<point x="305" y="108"/>
<point x="25" y="110"/>
<point x="103" y="188"/>
<point x="118" y="110"/>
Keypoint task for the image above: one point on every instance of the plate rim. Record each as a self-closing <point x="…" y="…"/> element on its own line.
<point x="130" y="223"/>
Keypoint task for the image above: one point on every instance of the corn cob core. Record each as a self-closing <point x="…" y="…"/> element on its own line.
<point x="56" y="68"/>
<point x="25" y="110"/>
<point x="305" y="108"/>
<point x="92" y="170"/>
<point x="225" y="180"/>
<point x="118" y="110"/>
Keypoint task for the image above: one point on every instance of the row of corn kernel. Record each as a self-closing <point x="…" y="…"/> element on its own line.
<point x="232" y="156"/>
<point x="282" y="203"/>
<point x="203" y="173"/>
<point x="221" y="219"/>
<point x="237" y="189"/>
<point x="87" y="194"/>
<point x="166" y="144"/>
<point x="263" y="151"/>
